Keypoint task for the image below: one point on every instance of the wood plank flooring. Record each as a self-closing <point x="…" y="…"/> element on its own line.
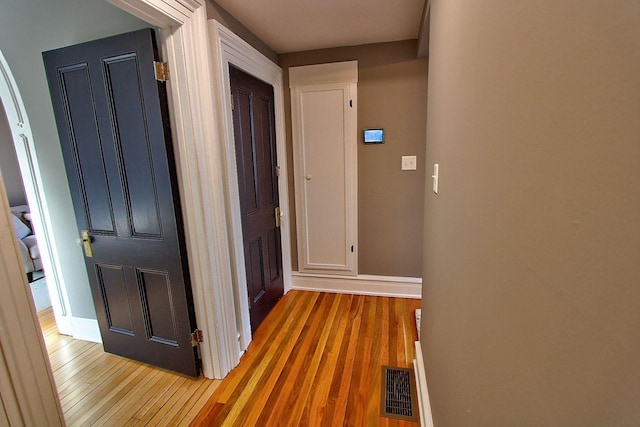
<point x="316" y="361"/>
<point x="99" y="389"/>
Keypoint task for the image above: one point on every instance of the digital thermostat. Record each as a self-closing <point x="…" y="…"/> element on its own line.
<point x="374" y="136"/>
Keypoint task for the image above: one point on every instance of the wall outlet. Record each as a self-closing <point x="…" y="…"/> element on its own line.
<point x="408" y="163"/>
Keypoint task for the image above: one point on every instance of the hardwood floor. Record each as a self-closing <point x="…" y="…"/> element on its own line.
<point x="99" y="389"/>
<point x="316" y="361"/>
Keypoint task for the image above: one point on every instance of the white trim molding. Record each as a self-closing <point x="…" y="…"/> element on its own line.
<point x="229" y="49"/>
<point x="160" y="13"/>
<point x="386" y="286"/>
<point x="202" y="193"/>
<point x="426" y="418"/>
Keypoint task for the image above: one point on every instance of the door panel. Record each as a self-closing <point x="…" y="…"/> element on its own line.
<point x="324" y="123"/>
<point x="254" y="130"/>
<point x="275" y="255"/>
<point x="113" y="127"/>
<point x="112" y="285"/>
<point x="78" y="103"/>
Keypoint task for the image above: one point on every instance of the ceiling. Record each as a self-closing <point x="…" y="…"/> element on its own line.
<point x="299" y="25"/>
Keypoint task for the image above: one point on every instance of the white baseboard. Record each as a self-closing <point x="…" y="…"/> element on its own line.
<point x="387" y="286"/>
<point x="426" y="419"/>
<point x="86" y="329"/>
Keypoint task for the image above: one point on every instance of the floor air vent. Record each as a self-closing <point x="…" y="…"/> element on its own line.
<point x="399" y="394"/>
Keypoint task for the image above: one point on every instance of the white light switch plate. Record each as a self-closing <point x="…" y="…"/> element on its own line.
<point x="436" y="172"/>
<point x="408" y="163"/>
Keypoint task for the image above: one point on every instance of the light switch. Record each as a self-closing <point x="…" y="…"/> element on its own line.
<point x="436" y="171"/>
<point x="408" y="163"/>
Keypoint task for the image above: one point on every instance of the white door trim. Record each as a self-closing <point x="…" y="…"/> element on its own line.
<point x="185" y="41"/>
<point x="229" y="49"/>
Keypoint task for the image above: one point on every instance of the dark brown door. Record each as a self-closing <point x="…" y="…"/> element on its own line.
<point x="112" y="122"/>
<point x="253" y="126"/>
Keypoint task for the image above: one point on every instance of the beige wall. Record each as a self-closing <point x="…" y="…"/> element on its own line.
<point x="215" y="11"/>
<point x="532" y="269"/>
<point x="392" y="90"/>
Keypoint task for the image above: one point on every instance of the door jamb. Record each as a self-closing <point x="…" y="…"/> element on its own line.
<point x="230" y="49"/>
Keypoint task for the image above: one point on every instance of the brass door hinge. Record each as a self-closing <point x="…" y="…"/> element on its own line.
<point x="196" y="337"/>
<point x="161" y="70"/>
<point x="278" y="216"/>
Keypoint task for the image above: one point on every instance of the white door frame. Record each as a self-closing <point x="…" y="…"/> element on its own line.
<point x="229" y="49"/>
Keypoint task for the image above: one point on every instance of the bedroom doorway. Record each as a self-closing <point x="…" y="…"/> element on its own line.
<point x="20" y="133"/>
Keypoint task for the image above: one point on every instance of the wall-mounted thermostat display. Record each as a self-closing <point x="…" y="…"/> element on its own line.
<point x="374" y="136"/>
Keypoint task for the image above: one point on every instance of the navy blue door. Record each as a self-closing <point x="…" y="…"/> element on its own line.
<point x="113" y="125"/>
<point x="255" y="142"/>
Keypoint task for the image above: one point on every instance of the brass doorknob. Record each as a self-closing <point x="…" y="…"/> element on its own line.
<point x="86" y="243"/>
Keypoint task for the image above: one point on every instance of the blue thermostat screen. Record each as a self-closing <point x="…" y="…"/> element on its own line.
<point x="373" y="136"/>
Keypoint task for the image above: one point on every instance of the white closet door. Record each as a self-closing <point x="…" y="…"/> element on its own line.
<point x="324" y="119"/>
